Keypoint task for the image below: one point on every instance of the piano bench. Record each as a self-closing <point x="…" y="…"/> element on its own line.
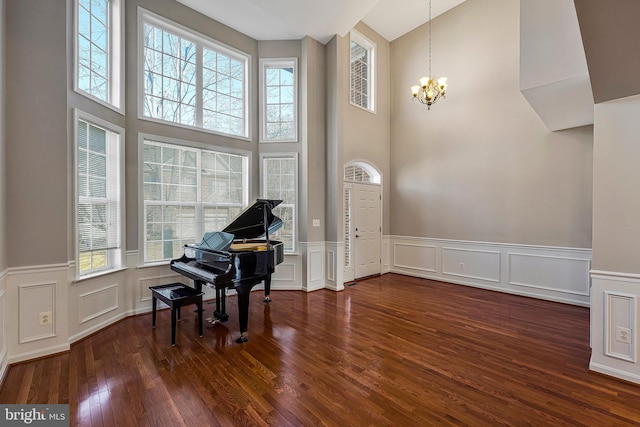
<point x="175" y="295"/>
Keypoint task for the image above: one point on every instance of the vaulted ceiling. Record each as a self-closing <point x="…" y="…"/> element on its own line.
<point x="294" y="19"/>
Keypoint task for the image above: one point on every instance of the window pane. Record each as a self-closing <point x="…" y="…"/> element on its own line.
<point x="195" y="191"/>
<point x="279" y="102"/>
<point x="279" y="182"/>
<point x="173" y="84"/>
<point x="360" y="75"/>
<point x="94" y="51"/>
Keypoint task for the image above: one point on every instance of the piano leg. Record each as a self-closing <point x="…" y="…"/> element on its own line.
<point x="267" y="288"/>
<point x="243" y="312"/>
<point x="221" y="309"/>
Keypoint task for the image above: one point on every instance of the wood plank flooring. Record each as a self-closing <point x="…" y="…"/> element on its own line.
<point x="389" y="351"/>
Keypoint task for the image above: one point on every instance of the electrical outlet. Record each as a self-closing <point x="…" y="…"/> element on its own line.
<point x="623" y="335"/>
<point x="45" y="318"/>
<point x="462" y="266"/>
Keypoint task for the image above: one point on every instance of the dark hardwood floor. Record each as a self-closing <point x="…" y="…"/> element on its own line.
<point x="389" y="351"/>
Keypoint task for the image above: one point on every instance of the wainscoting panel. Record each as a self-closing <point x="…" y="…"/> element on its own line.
<point x="471" y="263"/>
<point x="615" y="324"/>
<point x="3" y="325"/>
<point x="420" y="257"/>
<point x="386" y="250"/>
<point x="313" y="254"/>
<point x="556" y="274"/>
<point x="571" y="275"/>
<point x="336" y="273"/>
<point x="37" y="300"/>
<point x="619" y="322"/>
<point x="164" y="279"/>
<point x="96" y="303"/>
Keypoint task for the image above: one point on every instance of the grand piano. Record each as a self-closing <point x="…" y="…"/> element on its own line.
<point x="240" y="257"/>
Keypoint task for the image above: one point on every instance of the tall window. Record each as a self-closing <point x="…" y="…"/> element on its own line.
<point x="98" y="50"/>
<point x="362" y="67"/>
<point x="279" y="106"/>
<point x="192" y="81"/>
<point x="98" y="195"/>
<point x="279" y="180"/>
<point x="188" y="191"/>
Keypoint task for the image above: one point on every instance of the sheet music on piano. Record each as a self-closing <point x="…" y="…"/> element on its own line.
<point x="249" y="259"/>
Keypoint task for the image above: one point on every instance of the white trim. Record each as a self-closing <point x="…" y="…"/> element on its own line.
<point x="608" y="338"/>
<point x="86" y="295"/>
<point x="22" y="338"/>
<point x="278" y="63"/>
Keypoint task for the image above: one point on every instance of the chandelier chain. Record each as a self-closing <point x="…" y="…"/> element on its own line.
<point x="430" y="75"/>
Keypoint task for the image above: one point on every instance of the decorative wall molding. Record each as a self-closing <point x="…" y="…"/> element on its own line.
<point x="4" y="364"/>
<point x="614" y="305"/>
<point x="619" y="312"/>
<point x="313" y="256"/>
<point x="551" y="273"/>
<point x="33" y="299"/>
<point x="95" y="303"/>
<point x="335" y="273"/>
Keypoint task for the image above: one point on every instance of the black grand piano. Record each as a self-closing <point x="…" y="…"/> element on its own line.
<point x="238" y="262"/>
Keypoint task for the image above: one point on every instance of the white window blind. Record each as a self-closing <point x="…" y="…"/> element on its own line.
<point x="98" y="204"/>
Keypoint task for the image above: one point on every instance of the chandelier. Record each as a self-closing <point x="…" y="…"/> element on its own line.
<point x="430" y="89"/>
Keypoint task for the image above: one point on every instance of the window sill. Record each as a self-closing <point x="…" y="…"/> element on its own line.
<point x="81" y="279"/>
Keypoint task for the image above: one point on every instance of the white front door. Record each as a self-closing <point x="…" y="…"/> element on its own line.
<point x="366" y="229"/>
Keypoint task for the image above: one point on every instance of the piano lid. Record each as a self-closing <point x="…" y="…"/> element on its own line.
<point x="250" y="223"/>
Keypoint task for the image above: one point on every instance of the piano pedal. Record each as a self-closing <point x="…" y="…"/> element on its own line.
<point x="267" y="299"/>
<point x="213" y="320"/>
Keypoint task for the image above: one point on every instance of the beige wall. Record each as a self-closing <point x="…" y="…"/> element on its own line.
<point x="354" y="133"/>
<point x="366" y="135"/>
<point x="3" y="205"/>
<point x="616" y="205"/>
<point x="36" y="133"/>
<point x="480" y="165"/>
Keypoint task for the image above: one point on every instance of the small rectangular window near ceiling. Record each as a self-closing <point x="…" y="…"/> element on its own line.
<point x="98" y="38"/>
<point x="279" y="106"/>
<point x="362" y="71"/>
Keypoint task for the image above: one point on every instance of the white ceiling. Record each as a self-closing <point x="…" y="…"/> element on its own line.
<point x="294" y="19"/>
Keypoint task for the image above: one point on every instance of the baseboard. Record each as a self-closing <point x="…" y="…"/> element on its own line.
<point x="615" y="373"/>
<point x="43" y="352"/>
